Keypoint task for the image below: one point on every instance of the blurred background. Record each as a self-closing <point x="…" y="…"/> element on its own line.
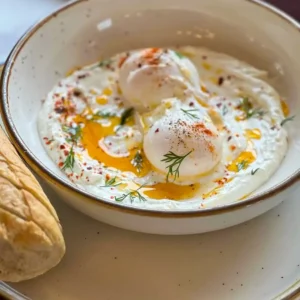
<point x="18" y="15"/>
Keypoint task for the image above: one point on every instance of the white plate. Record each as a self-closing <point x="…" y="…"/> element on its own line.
<point x="256" y="260"/>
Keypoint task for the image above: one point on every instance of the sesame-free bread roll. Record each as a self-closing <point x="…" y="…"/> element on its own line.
<point x="31" y="240"/>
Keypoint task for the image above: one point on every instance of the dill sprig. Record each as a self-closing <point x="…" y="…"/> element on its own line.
<point x="133" y="194"/>
<point x="105" y="63"/>
<point x="288" y="119"/>
<point x="189" y="113"/>
<point x="74" y="136"/>
<point x="174" y="161"/>
<point x="224" y="110"/>
<point x="70" y="160"/>
<point x="179" y="54"/>
<point x="254" y="171"/>
<point x="241" y="165"/>
<point x="111" y="182"/>
<point x="246" y="106"/>
<point x="103" y="114"/>
<point x="138" y="161"/>
<point x="74" y="133"/>
<point x="126" y="115"/>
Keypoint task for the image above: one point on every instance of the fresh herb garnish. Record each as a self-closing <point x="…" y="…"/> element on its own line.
<point x="254" y="171"/>
<point x="133" y="194"/>
<point x="105" y="63"/>
<point x="138" y="161"/>
<point x="288" y="119"/>
<point x="224" y="110"/>
<point x="74" y="133"/>
<point x="241" y="165"/>
<point x="189" y="113"/>
<point x="103" y="114"/>
<point x="179" y="54"/>
<point x="126" y="115"/>
<point x="246" y="106"/>
<point x="70" y="160"/>
<point x="111" y="182"/>
<point x="175" y="162"/>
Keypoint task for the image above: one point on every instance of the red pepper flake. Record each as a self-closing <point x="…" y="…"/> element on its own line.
<point x="191" y="104"/>
<point x="220" y="81"/>
<point x="219" y="104"/>
<point x="122" y="60"/>
<point x="139" y="65"/>
<point x="61" y="164"/>
<point x="62" y="147"/>
<point x="84" y="164"/>
<point x="157" y="130"/>
<point x="237" y="135"/>
<point x="45" y="138"/>
<point x="77" y="177"/>
<point x="112" y="197"/>
<point x="232" y="147"/>
<point x="66" y="152"/>
<point x="89" y="168"/>
<point x="229" y="138"/>
<point x="48" y="142"/>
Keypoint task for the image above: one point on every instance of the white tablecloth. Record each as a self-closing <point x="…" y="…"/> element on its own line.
<point x="17" y="15"/>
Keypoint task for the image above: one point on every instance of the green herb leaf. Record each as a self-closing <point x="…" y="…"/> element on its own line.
<point x="241" y="165"/>
<point x="224" y="110"/>
<point x="246" y="106"/>
<point x="175" y="162"/>
<point x="103" y="114"/>
<point x="254" y="171"/>
<point x="126" y="115"/>
<point x="133" y="194"/>
<point x="179" y="54"/>
<point x="105" y="63"/>
<point x="70" y="160"/>
<point x="138" y="161"/>
<point x="288" y="119"/>
<point x="75" y="133"/>
<point x="189" y="113"/>
<point x="111" y="182"/>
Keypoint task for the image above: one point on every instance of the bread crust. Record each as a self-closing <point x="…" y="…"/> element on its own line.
<point x="31" y="240"/>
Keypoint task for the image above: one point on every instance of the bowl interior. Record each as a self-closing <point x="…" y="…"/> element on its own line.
<point x="87" y="31"/>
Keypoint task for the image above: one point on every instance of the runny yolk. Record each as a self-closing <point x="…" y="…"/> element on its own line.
<point x="285" y="108"/>
<point x="253" y="133"/>
<point x="171" y="191"/>
<point x="242" y="161"/>
<point x="92" y="132"/>
<point x="166" y="190"/>
<point x="101" y="100"/>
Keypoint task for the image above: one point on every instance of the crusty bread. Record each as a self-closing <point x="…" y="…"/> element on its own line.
<point x="31" y="240"/>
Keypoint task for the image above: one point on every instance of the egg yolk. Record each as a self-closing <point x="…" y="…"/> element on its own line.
<point x="92" y="132"/>
<point x="166" y="190"/>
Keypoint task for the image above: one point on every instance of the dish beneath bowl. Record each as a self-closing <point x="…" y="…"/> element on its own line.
<point x="75" y="34"/>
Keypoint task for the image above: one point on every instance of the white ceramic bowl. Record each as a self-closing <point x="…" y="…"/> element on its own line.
<point x="84" y="31"/>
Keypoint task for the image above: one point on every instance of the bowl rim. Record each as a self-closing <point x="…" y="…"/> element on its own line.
<point x="61" y="183"/>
